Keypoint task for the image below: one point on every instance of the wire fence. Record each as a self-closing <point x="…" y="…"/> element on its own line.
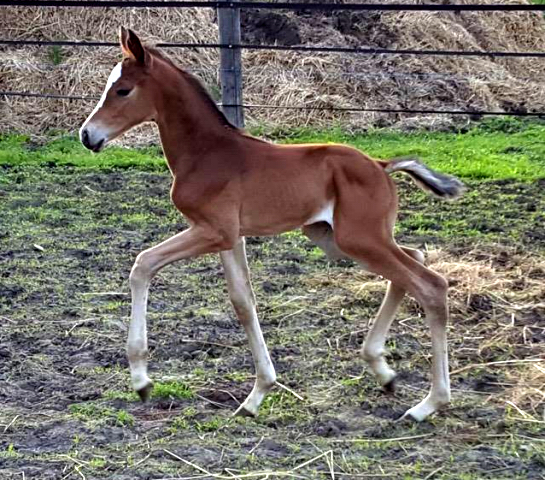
<point x="302" y="73"/>
<point x="294" y="6"/>
<point x="292" y="48"/>
<point x="325" y="7"/>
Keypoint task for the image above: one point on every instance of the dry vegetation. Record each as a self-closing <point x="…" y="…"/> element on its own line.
<point x="287" y="78"/>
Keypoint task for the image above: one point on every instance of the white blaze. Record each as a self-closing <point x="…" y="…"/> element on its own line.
<point x="115" y="75"/>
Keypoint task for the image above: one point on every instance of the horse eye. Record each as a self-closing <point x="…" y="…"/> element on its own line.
<point x="123" y="92"/>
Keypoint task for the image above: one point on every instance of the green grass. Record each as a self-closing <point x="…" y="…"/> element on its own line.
<point x="494" y="150"/>
<point x="55" y="55"/>
<point x="171" y="390"/>
<point x="500" y="148"/>
<point x="67" y="151"/>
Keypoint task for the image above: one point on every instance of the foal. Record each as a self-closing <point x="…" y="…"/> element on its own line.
<point x="230" y="185"/>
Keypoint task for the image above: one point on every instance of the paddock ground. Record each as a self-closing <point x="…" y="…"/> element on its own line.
<point x="68" y="237"/>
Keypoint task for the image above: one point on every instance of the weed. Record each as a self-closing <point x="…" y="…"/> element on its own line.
<point x="179" y="423"/>
<point x="211" y="425"/>
<point x="237" y="376"/>
<point x="97" y="462"/>
<point x="172" y="390"/>
<point x="10" y="452"/>
<point x="55" y="55"/>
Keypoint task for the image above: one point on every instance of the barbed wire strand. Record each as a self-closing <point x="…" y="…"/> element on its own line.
<point x="299" y="73"/>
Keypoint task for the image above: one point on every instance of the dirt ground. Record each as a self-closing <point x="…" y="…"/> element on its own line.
<point x="68" y="238"/>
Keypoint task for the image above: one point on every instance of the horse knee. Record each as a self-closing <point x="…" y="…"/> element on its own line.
<point x="242" y="299"/>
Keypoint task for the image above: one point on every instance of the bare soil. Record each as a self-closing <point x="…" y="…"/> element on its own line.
<point x="68" y="238"/>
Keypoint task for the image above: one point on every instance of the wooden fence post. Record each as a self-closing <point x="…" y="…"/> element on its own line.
<point x="230" y="63"/>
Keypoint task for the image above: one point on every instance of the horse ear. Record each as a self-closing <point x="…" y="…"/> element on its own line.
<point x="131" y="45"/>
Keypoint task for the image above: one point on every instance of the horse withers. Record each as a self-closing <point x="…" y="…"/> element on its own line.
<point x="229" y="185"/>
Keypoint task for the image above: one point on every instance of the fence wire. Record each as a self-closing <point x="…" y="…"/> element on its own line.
<point x="292" y="48"/>
<point x="295" y="6"/>
<point x="303" y="107"/>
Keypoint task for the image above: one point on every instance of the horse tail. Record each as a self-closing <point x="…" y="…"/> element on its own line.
<point x="438" y="184"/>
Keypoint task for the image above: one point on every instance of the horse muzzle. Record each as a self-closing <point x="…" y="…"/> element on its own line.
<point x="92" y="140"/>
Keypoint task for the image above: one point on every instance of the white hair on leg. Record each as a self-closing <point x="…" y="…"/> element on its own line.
<point x="242" y="298"/>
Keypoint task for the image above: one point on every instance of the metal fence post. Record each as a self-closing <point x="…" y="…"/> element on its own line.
<point x="230" y="63"/>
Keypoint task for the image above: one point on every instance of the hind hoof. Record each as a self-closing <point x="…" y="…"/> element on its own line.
<point x="407" y="419"/>
<point x="145" y="392"/>
<point x="390" y="387"/>
<point x="243" y="412"/>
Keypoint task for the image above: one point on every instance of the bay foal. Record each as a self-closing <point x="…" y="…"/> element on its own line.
<point x="230" y="185"/>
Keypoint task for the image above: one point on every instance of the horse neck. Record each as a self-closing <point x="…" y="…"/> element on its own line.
<point x="188" y="126"/>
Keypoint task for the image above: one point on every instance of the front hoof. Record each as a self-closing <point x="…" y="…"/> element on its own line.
<point x="145" y="392"/>
<point x="390" y="387"/>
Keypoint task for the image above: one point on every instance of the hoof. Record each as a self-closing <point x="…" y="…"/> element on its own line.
<point x="145" y="392"/>
<point x="407" y="419"/>
<point x="390" y="387"/>
<point x="243" y="412"/>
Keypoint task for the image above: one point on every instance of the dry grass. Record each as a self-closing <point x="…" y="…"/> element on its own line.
<point x="288" y="78"/>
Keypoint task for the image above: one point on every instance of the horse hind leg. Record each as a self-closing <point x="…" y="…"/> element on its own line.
<point x="383" y="257"/>
<point x="373" y="348"/>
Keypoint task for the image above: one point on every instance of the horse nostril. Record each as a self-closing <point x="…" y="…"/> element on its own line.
<point x="85" y="138"/>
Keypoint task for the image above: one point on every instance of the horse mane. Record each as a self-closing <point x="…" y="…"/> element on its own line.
<point x="199" y="88"/>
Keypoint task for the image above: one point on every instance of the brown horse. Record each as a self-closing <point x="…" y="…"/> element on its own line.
<point x="230" y="185"/>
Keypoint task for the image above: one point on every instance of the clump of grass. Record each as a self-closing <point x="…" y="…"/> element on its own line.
<point x="211" y="425"/>
<point x="172" y="390"/>
<point x="9" y="452"/>
<point x="120" y="395"/>
<point x="55" y="55"/>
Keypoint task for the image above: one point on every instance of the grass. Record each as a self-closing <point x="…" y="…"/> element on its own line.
<point x="67" y="151"/>
<point x="169" y="390"/>
<point x="55" y="55"/>
<point x="172" y="390"/>
<point x="500" y="148"/>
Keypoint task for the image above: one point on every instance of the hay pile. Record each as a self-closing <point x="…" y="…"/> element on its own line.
<point x="286" y="78"/>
